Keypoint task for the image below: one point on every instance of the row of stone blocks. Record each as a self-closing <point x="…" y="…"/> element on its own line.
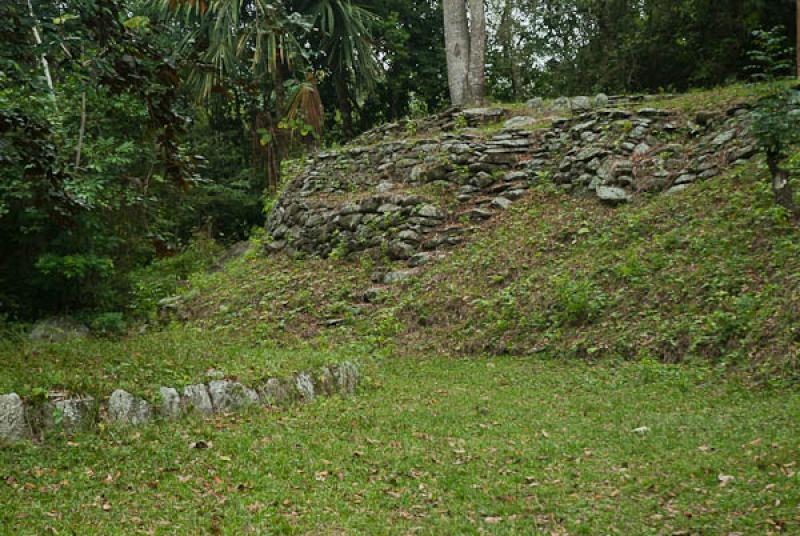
<point x="20" y="420"/>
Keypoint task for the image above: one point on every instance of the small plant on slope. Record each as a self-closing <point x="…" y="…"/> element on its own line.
<point x="776" y="125"/>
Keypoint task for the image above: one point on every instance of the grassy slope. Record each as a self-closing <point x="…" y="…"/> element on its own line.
<point x="710" y="274"/>
<point x="502" y="446"/>
<point x="710" y="277"/>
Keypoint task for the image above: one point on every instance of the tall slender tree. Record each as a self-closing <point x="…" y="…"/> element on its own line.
<point x="456" y="42"/>
<point x="465" y="48"/>
<point x="508" y="54"/>
<point x="477" y="51"/>
<point x="45" y="65"/>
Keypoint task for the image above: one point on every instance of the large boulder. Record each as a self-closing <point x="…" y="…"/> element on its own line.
<point x="227" y="395"/>
<point x="124" y="408"/>
<point x="536" y="104"/>
<point x="58" y="329"/>
<point x="612" y="195"/>
<point x="13" y="426"/>
<point x="561" y="104"/>
<point x="398" y="249"/>
<point x="581" y="104"/>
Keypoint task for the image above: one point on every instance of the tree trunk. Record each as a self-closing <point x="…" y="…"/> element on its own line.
<point x="81" y="132"/>
<point x="456" y="42"/>
<point x="267" y="156"/>
<point x="781" y="187"/>
<point x="343" y="100"/>
<point x="45" y="64"/>
<point x="476" y="74"/>
<point x="505" y="35"/>
<point x="516" y="79"/>
<point x="798" y="39"/>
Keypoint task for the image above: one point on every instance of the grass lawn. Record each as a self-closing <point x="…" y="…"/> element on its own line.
<point x="176" y="356"/>
<point x="441" y="446"/>
<point x="604" y="439"/>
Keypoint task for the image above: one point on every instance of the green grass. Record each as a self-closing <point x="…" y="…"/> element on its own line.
<point x="495" y="446"/>
<point x="715" y="99"/>
<point x="709" y="275"/>
<point x="590" y="309"/>
<point x="176" y="356"/>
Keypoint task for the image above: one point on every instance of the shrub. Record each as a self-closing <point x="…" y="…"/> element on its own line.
<point x="108" y="324"/>
<point x="776" y="125"/>
<point x="577" y="301"/>
<point x="163" y="277"/>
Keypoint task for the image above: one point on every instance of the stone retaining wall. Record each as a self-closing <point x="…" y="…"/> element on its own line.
<point x="30" y="419"/>
<point x="374" y="196"/>
<point x="355" y="199"/>
<point x="616" y="153"/>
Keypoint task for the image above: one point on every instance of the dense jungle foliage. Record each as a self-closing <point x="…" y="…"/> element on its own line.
<point x="130" y="129"/>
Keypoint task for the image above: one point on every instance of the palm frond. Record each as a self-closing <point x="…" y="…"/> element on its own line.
<point x="307" y="105"/>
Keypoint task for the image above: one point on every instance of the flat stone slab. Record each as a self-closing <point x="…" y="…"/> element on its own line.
<point x="431" y="211"/>
<point x="723" y="138"/>
<point x="13" y="426"/>
<point x="124" y="408"/>
<point x="520" y="121"/>
<point x="227" y="395"/>
<point x="501" y="202"/>
<point x="420" y="259"/>
<point x="612" y="195"/>
<point x="678" y="188"/>
<point x="396" y="277"/>
<point x="196" y="399"/>
<point x="170" y="403"/>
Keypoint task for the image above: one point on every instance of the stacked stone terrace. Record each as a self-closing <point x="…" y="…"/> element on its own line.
<point x="407" y="189"/>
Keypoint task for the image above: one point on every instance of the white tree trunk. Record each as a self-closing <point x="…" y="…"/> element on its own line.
<point x="457" y="49"/>
<point x="81" y="132"/>
<point x="45" y="65"/>
<point x="477" y="51"/>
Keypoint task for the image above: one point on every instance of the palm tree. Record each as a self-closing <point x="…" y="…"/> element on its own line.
<point x="258" y="47"/>
<point x="346" y="43"/>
